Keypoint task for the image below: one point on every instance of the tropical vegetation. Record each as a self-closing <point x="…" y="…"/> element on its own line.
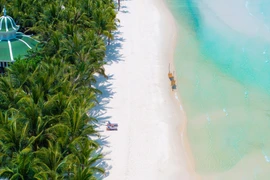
<point x="46" y="131"/>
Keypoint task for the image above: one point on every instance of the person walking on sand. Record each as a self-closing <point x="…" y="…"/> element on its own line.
<point x="119" y="5"/>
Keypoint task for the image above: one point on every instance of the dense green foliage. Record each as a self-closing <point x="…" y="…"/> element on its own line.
<point x="45" y="131"/>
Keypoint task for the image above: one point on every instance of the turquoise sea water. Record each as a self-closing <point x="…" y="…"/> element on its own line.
<point x="224" y="82"/>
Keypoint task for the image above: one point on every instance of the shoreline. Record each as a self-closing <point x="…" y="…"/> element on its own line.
<point x="175" y="94"/>
<point x="250" y="161"/>
<point x="137" y="95"/>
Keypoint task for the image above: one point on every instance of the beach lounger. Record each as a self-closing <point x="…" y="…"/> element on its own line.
<point x="110" y="128"/>
<point x="112" y="124"/>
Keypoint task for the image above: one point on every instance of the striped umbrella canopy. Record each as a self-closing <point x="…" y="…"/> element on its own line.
<point x="13" y="44"/>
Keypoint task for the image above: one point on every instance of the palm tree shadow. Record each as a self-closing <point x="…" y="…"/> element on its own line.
<point x="123" y="9"/>
<point x="112" y="50"/>
<point x="104" y="85"/>
<point x="102" y="163"/>
<point x="99" y="112"/>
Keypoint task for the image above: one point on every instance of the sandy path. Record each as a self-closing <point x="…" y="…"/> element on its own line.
<point x="137" y="96"/>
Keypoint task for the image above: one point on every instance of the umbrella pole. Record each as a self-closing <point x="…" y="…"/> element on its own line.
<point x="170" y="75"/>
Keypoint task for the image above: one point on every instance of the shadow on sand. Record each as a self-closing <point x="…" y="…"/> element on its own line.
<point x="99" y="112"/>
<point x="123" y="9"/>
<point x="112" y="50"/>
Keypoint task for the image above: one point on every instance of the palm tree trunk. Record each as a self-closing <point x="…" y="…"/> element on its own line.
<point x="118" y="5"/>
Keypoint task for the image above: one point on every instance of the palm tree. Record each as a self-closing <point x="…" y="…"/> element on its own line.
<point x="78" y="123"/>
<point x="86" y="159"/>
<point x="9" y="94"/>
<point x="51" y="162"/>
<point x="15" y="147"/>
<point x="45" y="132"/>
<point x="21" y="166"/>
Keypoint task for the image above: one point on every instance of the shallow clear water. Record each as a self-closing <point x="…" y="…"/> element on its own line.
<point x="224" y="82"/>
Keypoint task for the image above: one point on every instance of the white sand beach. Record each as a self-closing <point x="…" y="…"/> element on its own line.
<point x="138" y="96"/>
